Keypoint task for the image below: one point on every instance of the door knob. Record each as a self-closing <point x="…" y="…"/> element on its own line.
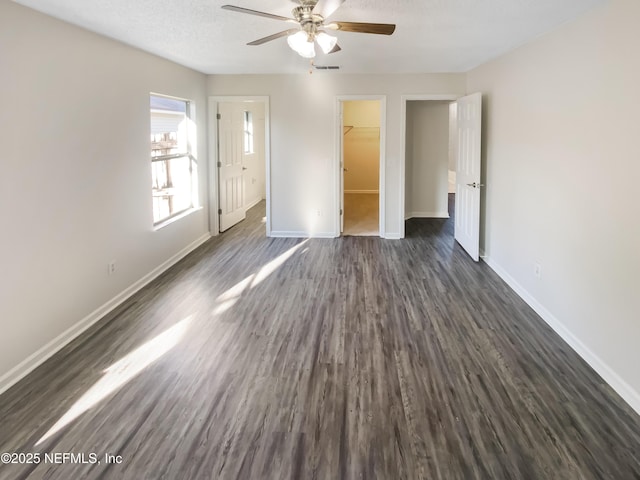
<point x="244" y="168"/>
<point x="475" y="185"/>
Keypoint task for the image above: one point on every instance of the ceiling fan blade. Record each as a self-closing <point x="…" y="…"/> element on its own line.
<point x="358" y="27"/>
<point x="233" y="8"/>
<point x="260" y="41"/>
<point x="335" y="49"/>
<point x="327" y="7"/>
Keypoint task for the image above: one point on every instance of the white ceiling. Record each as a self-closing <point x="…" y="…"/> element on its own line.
<point x="431" y="35"/>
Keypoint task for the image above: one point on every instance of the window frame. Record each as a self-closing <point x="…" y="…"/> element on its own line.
<point x="248" y="143"/>
<point x="189" y="141"/>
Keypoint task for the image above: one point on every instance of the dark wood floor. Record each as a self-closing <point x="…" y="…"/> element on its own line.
<point x="353" y="358"/>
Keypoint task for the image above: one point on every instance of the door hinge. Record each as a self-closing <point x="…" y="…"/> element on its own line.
<point x="218" y="116"/>
<point x="219" y="211"/>
<point x="340" y="211"/>
<point x="219" y="164"/>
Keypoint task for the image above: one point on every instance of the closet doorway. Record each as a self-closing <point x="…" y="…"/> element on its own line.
<point x="361" y="167"/>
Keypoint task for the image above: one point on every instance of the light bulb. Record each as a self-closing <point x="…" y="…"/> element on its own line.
<point x="326" y="42"/>
<point x="299" y="42"/>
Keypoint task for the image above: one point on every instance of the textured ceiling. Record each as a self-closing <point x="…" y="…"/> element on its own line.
<point x="431" y="35"/>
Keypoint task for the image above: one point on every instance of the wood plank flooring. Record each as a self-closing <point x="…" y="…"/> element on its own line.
<point x="353" y="358"/>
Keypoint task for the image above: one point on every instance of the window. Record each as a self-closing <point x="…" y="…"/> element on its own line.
<point x="248" y="132"/>
<point x="172" y="165"/>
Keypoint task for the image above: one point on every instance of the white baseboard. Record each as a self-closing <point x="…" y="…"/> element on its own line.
<point x="252" y="204"/>
<point x="426" y="215"/>
<point x="41" y="355"/>
<point x="288" y="234"/>
<point x="361" y="191"/>
<point x="628" y="393"/>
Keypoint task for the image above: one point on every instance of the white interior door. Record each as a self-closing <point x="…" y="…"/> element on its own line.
<point x="467" y="225"/>
<point x="230" y="167"/>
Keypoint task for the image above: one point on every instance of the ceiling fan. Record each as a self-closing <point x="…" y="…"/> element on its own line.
<point x="310" y="16"/>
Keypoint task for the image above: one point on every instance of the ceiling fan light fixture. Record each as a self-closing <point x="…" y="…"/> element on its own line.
<point x="299" y="42"/>
<point x="326" y="42"/>
<point x="309" y="16"/>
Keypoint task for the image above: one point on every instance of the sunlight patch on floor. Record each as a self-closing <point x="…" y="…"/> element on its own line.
<point x="122" y="372"/>
<point x="229" y="298"/>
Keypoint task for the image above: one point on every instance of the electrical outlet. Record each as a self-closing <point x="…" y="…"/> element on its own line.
<point x="319" y="213"/>
<point x="111" y="267"/>
<point x="537" y="270"/>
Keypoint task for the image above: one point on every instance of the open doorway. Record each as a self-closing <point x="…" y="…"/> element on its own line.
<point x="453" y="151"/>
<point x="428" y="159"/>
<point x="239" y="161"/>
<point x="361" y="160"/>
<point x="430" y="156"/>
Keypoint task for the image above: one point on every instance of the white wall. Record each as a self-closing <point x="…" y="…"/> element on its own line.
<point x="303" y="139"/>
<point x="562" y="170"/>
<point x="453" y="145"/>
<point x="427" y="159"/>
<point x="75" y="188"/>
